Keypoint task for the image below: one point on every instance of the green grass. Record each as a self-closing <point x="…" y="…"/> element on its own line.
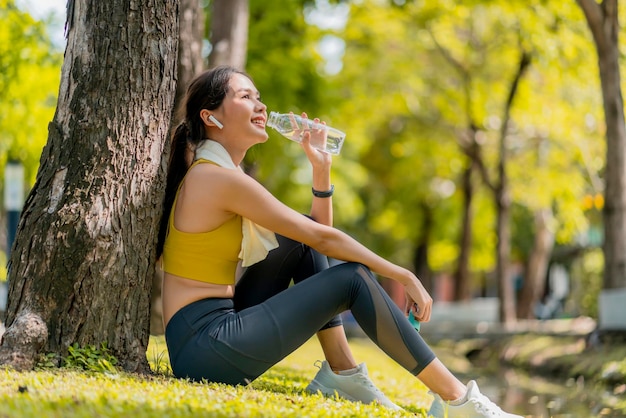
<point x="278" y="393"/>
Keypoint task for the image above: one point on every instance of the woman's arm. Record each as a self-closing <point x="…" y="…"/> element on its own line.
<point x="241" y="194"/>
<point x="321" y="207"/>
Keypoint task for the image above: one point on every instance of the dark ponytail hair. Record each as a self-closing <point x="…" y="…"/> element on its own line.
<point x="206" y="91"/>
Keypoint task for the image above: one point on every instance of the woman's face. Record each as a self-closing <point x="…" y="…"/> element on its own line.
<point x="242" y="113"/>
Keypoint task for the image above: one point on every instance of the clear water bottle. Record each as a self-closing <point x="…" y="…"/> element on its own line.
<point x="291" y="126"/>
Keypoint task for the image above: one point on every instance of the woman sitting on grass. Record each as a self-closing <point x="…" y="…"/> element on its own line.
<point x="214" y="214"/>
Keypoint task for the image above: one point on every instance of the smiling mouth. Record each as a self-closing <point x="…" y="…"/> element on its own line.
<point x="259" y="122"/>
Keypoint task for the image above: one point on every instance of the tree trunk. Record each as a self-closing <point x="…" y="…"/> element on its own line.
<point x="471" y="148"/>
<point x="229" y="33"/>
<point x="84" y="254"/>
<point x="537" y="268"/>
<point x="503" y="206"/>
<point x="603" y="22"/>
<point x="462" y="283"/>
<point x="506" y="293"/>
<point x="190" y="39"/>
<point x="420" y="259"/>
<point x="190" y="64"/>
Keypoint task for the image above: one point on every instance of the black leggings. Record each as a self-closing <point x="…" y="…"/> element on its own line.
<point x="235" y="340"/>
<point x="291" y="260"/>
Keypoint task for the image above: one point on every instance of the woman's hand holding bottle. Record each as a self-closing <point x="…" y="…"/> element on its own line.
<point x="418" y="300"/>
<point x="325" y="138"/>
<point x="312" y="141"/>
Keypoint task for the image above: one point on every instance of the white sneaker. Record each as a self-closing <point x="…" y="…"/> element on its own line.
<point x="354" y="387"/>
<point x="476" y="406"/>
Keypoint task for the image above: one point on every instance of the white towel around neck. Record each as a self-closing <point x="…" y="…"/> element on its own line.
<point x="257" y="241"/>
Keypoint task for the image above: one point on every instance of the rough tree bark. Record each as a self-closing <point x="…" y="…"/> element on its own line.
<point x="229" y="33"/>
<point x="602" y="19"/>
<point x="190" y="64"/>
<point x="83" y="259"/>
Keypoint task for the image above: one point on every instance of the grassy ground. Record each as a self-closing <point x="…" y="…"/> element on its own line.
<point x="278" y="393"/>
<point x="52" y="392"/>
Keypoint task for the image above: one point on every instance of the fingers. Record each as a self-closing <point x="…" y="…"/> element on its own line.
<point x="408" y="306"/>
<point x="421" y="311"/>
<point x="313" y="134"/>
<point x="294" y="122"/>
<point x="418" y="301"/>
<point x="422" y="314"/>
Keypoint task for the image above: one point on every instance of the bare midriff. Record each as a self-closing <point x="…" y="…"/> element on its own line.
<point x="179" y="292"/>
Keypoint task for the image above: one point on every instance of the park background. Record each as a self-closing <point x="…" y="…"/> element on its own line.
<point x="476" y="150"/>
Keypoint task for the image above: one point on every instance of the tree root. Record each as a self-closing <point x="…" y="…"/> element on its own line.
<point x="23" y="341"/>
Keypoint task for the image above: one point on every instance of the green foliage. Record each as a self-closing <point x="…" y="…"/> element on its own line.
<point x="3" y="268"/>
<point x="587" y="278"/>
<point x="416" y="76"/>
<point x="90" y="358"/>
<point x="47" y="361"/>
<point x="614" y="371"/>
<point x="29" y="81"/>
<point x="521" y="232"/>
<point x="157" y="356"/>
<point x="283" y="60"/>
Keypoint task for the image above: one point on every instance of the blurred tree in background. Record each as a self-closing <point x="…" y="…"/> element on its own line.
<point x="421" y="93"/>
<point x="421" y="89"/>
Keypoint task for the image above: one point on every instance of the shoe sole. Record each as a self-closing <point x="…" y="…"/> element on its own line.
<point x="315" y="387"/>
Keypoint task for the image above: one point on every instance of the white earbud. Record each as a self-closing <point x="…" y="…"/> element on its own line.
<point x="216" y="122"/>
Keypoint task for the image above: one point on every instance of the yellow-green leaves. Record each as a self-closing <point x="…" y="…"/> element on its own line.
<point x="30" y="69"/>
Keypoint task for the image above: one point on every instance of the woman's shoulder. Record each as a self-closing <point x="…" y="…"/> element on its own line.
<point x="201" y="168"/>
<point x="207" y="175"/>
<point x="203" y="163"/>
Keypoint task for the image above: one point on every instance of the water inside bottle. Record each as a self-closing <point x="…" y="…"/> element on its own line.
<point x="333" y="142"/>
<point x="293" y="127"/>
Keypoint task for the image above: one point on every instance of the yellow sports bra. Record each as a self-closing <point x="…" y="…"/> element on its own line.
<point x="210" y="256"/>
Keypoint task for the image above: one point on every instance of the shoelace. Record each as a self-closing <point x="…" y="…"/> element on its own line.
<point x="367" y="382"/>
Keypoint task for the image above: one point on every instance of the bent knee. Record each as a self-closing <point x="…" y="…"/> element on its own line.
<point x="355" y="268"/>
